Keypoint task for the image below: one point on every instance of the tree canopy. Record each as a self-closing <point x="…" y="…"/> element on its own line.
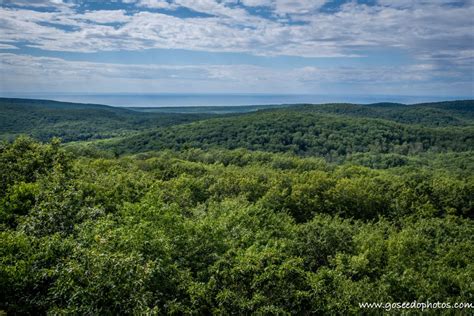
<point x="300" y="210"/>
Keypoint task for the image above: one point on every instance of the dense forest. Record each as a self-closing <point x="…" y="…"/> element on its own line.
<point x="334" y="132"/>
<point x="306" y="209"/>
<point x="44" y="119"/>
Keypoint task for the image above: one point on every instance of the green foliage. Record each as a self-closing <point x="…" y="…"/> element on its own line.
<point x="309" y="131"/>
<point x="45" y="119"/>
<point x="21" y="164"/>
<point x="216" y="231"/>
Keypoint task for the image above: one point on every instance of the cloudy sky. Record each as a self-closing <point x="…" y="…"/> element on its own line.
<point x="383" y="47"/>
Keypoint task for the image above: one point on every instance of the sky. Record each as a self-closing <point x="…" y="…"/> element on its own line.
<point x="328" y="47"/>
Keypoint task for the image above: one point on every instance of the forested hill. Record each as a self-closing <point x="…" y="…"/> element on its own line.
<point x="331" y="131"/>
<point x="328" y="130"/>
<point x="198" y="229"/>
<point x="44" y="119"/>
<point x="451" y="113"/>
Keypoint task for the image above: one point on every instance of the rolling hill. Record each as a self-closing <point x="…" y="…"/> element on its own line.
<point x="329" y="131"/>
<point x="44" y="119"/>
<point x="280" y="211"/>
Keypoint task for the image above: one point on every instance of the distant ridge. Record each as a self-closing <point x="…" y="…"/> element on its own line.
<point x="44" y="119"/>
<point x="55" y="104"/>
<point x="328" y="130"/>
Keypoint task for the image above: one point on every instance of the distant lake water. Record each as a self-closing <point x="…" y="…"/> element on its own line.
<point x="171" y="99"/>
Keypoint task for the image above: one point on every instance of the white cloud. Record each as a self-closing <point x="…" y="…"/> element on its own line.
<point x="157" y="4"/>
<point x="438" y="36"/>
<point x="297" y="6"/>
<point x="410" y="4"/>
<point x="29" y="73"/>
<point x="424" y="29"/>
<point x="38" y="3"/>
<point x="7" y="46"/>
<point x="105" y="16"/>
<point x="257" y="3"/>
